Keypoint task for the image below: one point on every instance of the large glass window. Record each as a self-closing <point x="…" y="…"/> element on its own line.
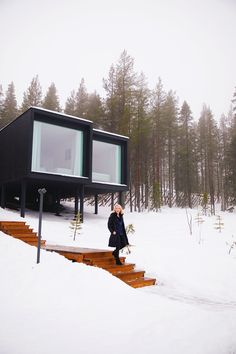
<point x="106" y="162"/>
<point x="57" y="150"/>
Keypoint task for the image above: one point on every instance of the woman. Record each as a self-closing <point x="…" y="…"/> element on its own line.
<point x="118" y="238"/>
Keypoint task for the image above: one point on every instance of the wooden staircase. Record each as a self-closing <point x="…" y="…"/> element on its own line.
<point x="93" y="257"/>
<point x="104" y="259"/>
<point x="20" y="230"/>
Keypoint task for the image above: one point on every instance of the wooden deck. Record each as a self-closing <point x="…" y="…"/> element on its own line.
<point x="93" y="257"/>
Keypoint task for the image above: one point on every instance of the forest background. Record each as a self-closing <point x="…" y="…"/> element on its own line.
<point x="175" y="159"/>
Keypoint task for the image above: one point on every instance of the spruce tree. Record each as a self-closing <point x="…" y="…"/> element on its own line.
<point x="51" y="100"/>
<point x="140" y="144"/>
<point x="120" y="103"/>
<point x="223" y="159"/>
<point x="170" y="111"/>
<point x="95" y="110"/>
<point x="33" y="95"/>
<point x="81" y="101"/>
<point x="120" y="88"/>
<point x="126" y="82"/>
<point x="157" y="141"/>
<point x="9" y="106"/>
<point x="231" y="156"/>
<point x="71" y="104"/>
<point x="185" y="166"/>
<point x="75" y="225"/>
<point x="208" y="143"/>
<point x="111" y="117"/>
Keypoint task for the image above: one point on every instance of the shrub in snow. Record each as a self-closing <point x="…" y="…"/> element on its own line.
<point x="219" y="225"/>
<point x="206" y="210"/>
<point x="75" y="225"/>
<point x="130" y="229"/>
<point x="231" y="244"/>
<point x="199" y="221"/>
<point x="190" y="221"/>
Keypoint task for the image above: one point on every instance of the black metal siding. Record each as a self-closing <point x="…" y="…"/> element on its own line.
<point x="14" y="149"/>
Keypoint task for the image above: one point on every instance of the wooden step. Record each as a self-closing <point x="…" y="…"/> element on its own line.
<point x="30" y="240"/>
<point x="127" y="267"/>
<point x="2" y="223"/>
<point x="76" y="257"/>
<point x="17" y="231"/>
<point x="141" y="282"/>
<point x="19" y="235"/>
<point x="25" y="238"/>
<point x="35" y="243"/>
<point x="15" y="226"/>
<point x="96" y="255"/>
<point x="127" y="276"/>
<point x="103" y="262"/>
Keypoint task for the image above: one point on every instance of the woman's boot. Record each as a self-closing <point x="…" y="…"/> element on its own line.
<point x="118" y="262"/>
<point x="115" y="254"/>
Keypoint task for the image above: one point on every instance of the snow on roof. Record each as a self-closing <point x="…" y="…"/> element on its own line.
<point x="60" y="113"/>
<point x="103" y="131"/>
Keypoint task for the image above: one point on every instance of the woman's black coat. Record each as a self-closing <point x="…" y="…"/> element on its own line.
<point x="116" y="240"/>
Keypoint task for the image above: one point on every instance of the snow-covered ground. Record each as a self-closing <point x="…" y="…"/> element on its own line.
<point x="62" y="307"/>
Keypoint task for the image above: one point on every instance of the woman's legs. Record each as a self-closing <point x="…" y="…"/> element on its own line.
<point x="116" y="255"/>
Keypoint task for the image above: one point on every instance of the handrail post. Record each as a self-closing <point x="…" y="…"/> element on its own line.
<point x="41" y="191"/>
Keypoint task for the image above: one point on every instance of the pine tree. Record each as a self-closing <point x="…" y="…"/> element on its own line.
<point x="231" y="156"/>
<point x="223" y="160"/>
<point x="95" y="110"/>
<point x="9" y="106"/>
<point x="71" y="104"/>
<point x="121" y="104"/>
<point x="120" y="88"/>
<point x="126" y="81"/>
<point x="157" y="142"/>
<point x="111" y="116"/>
<point x="170" y="111"/>
<point x="140" y="144"/>
<point x="33" y="95"/>
<point x="81" y="101"/>
<point x="208" y="143"/>
<point x="185" y="166"/>
<point x="51" y="100"/>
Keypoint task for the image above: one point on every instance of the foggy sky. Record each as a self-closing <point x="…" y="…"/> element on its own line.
<point x="189" y="44"/>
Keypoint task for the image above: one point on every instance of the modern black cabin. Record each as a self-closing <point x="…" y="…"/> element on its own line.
<point x="64" y="155"/>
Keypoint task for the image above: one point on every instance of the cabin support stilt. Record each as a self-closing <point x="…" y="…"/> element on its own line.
<point x="23" y="198"/>
<point x="96" y="203"/>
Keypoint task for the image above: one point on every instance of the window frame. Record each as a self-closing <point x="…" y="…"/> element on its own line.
<point x="78" y="129"/>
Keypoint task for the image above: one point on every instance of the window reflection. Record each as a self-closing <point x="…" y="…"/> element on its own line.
<point x="106" y="162"/>
<point x="57" y="150"/>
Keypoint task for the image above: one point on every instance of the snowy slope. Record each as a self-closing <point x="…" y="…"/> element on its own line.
<point x="62" y="307"/>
